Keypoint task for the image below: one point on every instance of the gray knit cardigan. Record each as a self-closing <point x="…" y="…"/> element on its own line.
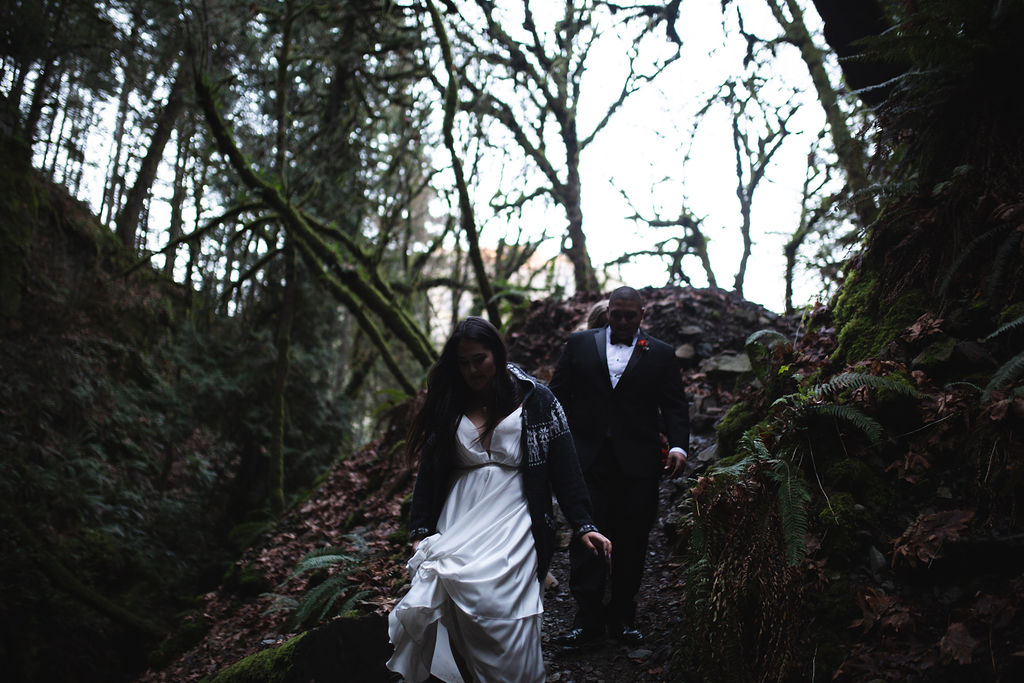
<point x="550" y="464"/>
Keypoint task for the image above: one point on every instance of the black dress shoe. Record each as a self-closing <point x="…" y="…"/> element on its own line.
<point x="626" y="633"/>
<point x="577" y="637"/>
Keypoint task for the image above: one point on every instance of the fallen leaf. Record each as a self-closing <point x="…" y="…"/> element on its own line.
<point x="958" y="643"/>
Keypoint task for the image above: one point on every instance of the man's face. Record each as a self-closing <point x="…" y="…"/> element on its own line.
<point x="624" y="317"/>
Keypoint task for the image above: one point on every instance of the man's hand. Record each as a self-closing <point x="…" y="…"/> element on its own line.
<point x="675" y="460"/>
<point x="597" y="544"/>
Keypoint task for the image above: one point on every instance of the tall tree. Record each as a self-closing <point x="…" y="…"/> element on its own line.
<point x="849" y="149"/>
<point x="127" y="223"/>
<point x="752" y="158"/>
<point x="530" y="81"/>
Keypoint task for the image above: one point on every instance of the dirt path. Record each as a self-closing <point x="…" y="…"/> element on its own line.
<point x="658" y="614"/>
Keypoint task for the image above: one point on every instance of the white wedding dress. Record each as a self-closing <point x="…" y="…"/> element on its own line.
<point x="474" y="583"/>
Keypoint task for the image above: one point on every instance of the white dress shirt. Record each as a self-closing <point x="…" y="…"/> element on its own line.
<point x="618" y="356"/>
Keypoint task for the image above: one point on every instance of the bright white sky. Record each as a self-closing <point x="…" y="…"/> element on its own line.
<point x="641" y="152"/>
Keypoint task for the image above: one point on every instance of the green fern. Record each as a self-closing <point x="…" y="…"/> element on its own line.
<point x="1006" y="258"/>
<point x="1011" y="371"/>
<point x="856" y="380"/>
<point x="322" y="558"/>
<point x="792" y="494"/>
<point x="1008" y="327"/>
<point x="853" y="416"/>
<point x="319" y="602"/>
<point x="973" y="246"/>
<point x="333" y="596"/>
<point x="793" y="499"/>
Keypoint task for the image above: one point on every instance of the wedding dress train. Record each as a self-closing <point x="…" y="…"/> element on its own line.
<point x="474" y="583"/>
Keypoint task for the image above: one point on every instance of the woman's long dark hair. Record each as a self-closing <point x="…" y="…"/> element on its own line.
<point x="448" y="397"/>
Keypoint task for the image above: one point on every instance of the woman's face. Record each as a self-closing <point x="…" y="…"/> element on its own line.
<point x="476" y="365"/>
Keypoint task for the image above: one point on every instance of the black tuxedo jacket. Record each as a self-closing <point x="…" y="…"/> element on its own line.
<point x="647" y="401"/>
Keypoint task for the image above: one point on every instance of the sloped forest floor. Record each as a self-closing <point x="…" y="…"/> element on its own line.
<point x="359" y="508"/>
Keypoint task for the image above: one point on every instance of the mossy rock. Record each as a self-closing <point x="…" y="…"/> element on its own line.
<point x="842" y="518"/>
<point x="936" y="355"/>
<point x="730" y="428"/>
<point x="353" y="649"/>
<point x="867" y="321"/>
<point x="851" y="474"/>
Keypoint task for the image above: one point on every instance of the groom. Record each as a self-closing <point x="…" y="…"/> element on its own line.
<point x="621" y="390"/>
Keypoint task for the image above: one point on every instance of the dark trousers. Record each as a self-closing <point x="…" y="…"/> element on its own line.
<point x="624" y="510"/>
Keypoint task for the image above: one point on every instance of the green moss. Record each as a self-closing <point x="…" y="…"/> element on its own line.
<point x="737" y="420"/>
<point x="935" y="355"/>
<point x="1011" y="312"/>
<point x="841" y="518"/>
<point x="850" y="474"/>
<point x="867" y="320"/>
<point x="267" y="666"/>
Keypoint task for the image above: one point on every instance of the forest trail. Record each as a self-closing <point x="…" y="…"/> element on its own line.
<point x="359" y="507"/>
<point x="658" y="614"/>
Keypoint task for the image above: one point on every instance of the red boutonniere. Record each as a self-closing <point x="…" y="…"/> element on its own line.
<point x="643" y="345"/>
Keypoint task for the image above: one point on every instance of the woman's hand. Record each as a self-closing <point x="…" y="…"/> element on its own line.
<point x="596" y="543"/>
<point x="415" y="545"/>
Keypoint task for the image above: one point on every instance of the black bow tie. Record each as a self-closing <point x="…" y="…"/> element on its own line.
<point x="624" y="340"/>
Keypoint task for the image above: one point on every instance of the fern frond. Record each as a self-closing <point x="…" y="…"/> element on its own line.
<point x="320" y="558"/>
<point x="734" y="470"/>
<point x="856" y="380"/>
<point x="323" y="562"/>
<point x="316" y="604"/>
<point x="326" y="550"/>
<point x="1006" y="258"/>
<point x="1010" y="371"/>
<point x="852" y="416"/>
<point x="350" y="603"/>
<point x="791" y="400"/>
<point x="1008" y="327"/>
<point x="281" y="603"/>
<point x="793" y="499"/>
<point x="753" y="446"/>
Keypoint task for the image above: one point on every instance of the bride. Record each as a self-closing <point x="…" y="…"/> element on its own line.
<point x="493" y="443"/>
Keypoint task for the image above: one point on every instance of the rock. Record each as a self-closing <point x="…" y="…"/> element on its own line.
<point x="974" y="356"/>
<point x="935" y="355"/>
<point x="357" y="646"/>
<point x="876" y="559"/>
<point x="691" y="331"/>
<point x="686" y="352"/>
<point x="726" y="363"/>
<point x="709" y="454"/>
